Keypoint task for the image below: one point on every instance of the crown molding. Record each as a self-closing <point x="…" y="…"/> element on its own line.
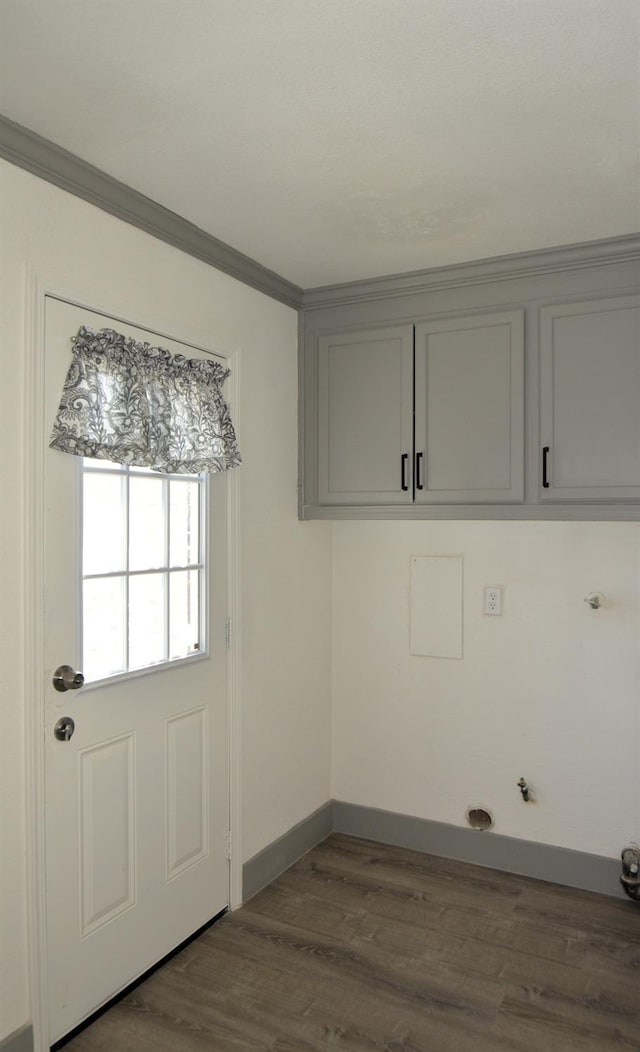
<point x="45" y="159"/>
<point x="624" y="249"/>
<point x="56" y="165"/>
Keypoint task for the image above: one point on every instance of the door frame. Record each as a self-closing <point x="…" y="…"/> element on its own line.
<point x="37" y="288"/>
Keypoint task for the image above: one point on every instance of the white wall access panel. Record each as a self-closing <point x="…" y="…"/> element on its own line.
<point x="436" y="606"/>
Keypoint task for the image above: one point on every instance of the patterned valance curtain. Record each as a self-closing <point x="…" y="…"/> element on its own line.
<point x="135" y="404"/>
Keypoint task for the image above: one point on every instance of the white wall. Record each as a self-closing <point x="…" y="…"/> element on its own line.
<point x="549" y="690"/>
<point x="285" y="565"/>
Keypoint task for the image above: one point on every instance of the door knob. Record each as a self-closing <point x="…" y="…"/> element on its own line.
<point x="64" y="728"/>
<point x="66" y="678"/>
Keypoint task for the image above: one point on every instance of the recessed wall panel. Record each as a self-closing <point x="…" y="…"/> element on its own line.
<point x="436" y="606"/>
<point x="187" y="781"/>
<point x="107" y="824"/>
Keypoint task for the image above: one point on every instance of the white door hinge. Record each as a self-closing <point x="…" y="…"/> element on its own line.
<point x="227" y="633"/>
<point x="228" y="843"/>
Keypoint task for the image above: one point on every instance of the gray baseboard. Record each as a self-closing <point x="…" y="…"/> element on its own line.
<point x="559" y="865"/>
<point x="19" y="1041"/>
<point x="287" y="849"/>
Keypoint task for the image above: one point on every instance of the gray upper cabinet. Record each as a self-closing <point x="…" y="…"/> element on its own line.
<point x="365" y="417"/>
<point x="590" y="400"/>
<point x="503" y="389"/>
<point x="469" y="409"/>
<point x="466" y="389"/>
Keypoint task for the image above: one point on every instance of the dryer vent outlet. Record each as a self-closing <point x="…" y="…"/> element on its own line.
<point x="630" y="876"/>
<point x="479" y="818"/>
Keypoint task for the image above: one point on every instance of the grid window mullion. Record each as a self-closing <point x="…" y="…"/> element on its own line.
<point x="178" y="590"/>
<point x="140" y="573"/>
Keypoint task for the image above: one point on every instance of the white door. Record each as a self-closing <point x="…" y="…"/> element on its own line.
<point x="137" y="798"/>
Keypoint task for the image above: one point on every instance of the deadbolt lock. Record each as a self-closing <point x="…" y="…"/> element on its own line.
<point x="64" y="729"/>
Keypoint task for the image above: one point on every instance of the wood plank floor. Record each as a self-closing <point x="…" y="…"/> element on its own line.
<point x="365" y="947"/>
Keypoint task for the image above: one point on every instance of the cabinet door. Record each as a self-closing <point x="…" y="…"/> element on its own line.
<point x="469" y="406"/>
<point x="365" y="394"/>
<point x="590" y="400"/>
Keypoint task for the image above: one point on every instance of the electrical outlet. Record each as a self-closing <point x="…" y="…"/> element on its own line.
<point x="493" y="601"/>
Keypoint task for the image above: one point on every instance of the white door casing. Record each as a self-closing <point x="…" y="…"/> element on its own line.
<point x="186" y="734"/>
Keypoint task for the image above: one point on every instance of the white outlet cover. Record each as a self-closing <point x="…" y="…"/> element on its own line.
<point x="493" y="600"/>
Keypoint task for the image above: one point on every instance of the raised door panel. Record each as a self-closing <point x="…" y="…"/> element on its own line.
<point x="186" y="780"/>
<point x="469" y="409"/>
<point x="365" y="396"/>
<point x="590" y="400"/>
<point x="106" y="796"/>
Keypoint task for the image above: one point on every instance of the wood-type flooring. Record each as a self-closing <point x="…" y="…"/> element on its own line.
<point x="361" y="947"/>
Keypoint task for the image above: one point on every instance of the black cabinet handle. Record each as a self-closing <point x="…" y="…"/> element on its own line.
<point x="545" y="467"/>
<point x="419" y="482"/>
<point x="404" y="459"/>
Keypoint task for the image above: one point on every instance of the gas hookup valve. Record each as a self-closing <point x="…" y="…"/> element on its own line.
<point x="630" y="876"/>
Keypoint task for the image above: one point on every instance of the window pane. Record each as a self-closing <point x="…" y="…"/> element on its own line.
<point x="103" y="523"/>
<point x="104" y="628"/>
<point x="184" y="589"/>
<point x="185" y="523"/>
<point x="147" y="538"/>
<point x="147" y="634"/>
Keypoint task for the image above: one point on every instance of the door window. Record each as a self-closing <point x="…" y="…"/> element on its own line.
<point x="143" y="568"/>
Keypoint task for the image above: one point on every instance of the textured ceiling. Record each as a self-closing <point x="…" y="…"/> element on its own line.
<point x="333" y="140"/>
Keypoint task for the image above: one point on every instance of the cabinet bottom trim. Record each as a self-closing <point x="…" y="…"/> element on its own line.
<point x="489" y="512"/>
